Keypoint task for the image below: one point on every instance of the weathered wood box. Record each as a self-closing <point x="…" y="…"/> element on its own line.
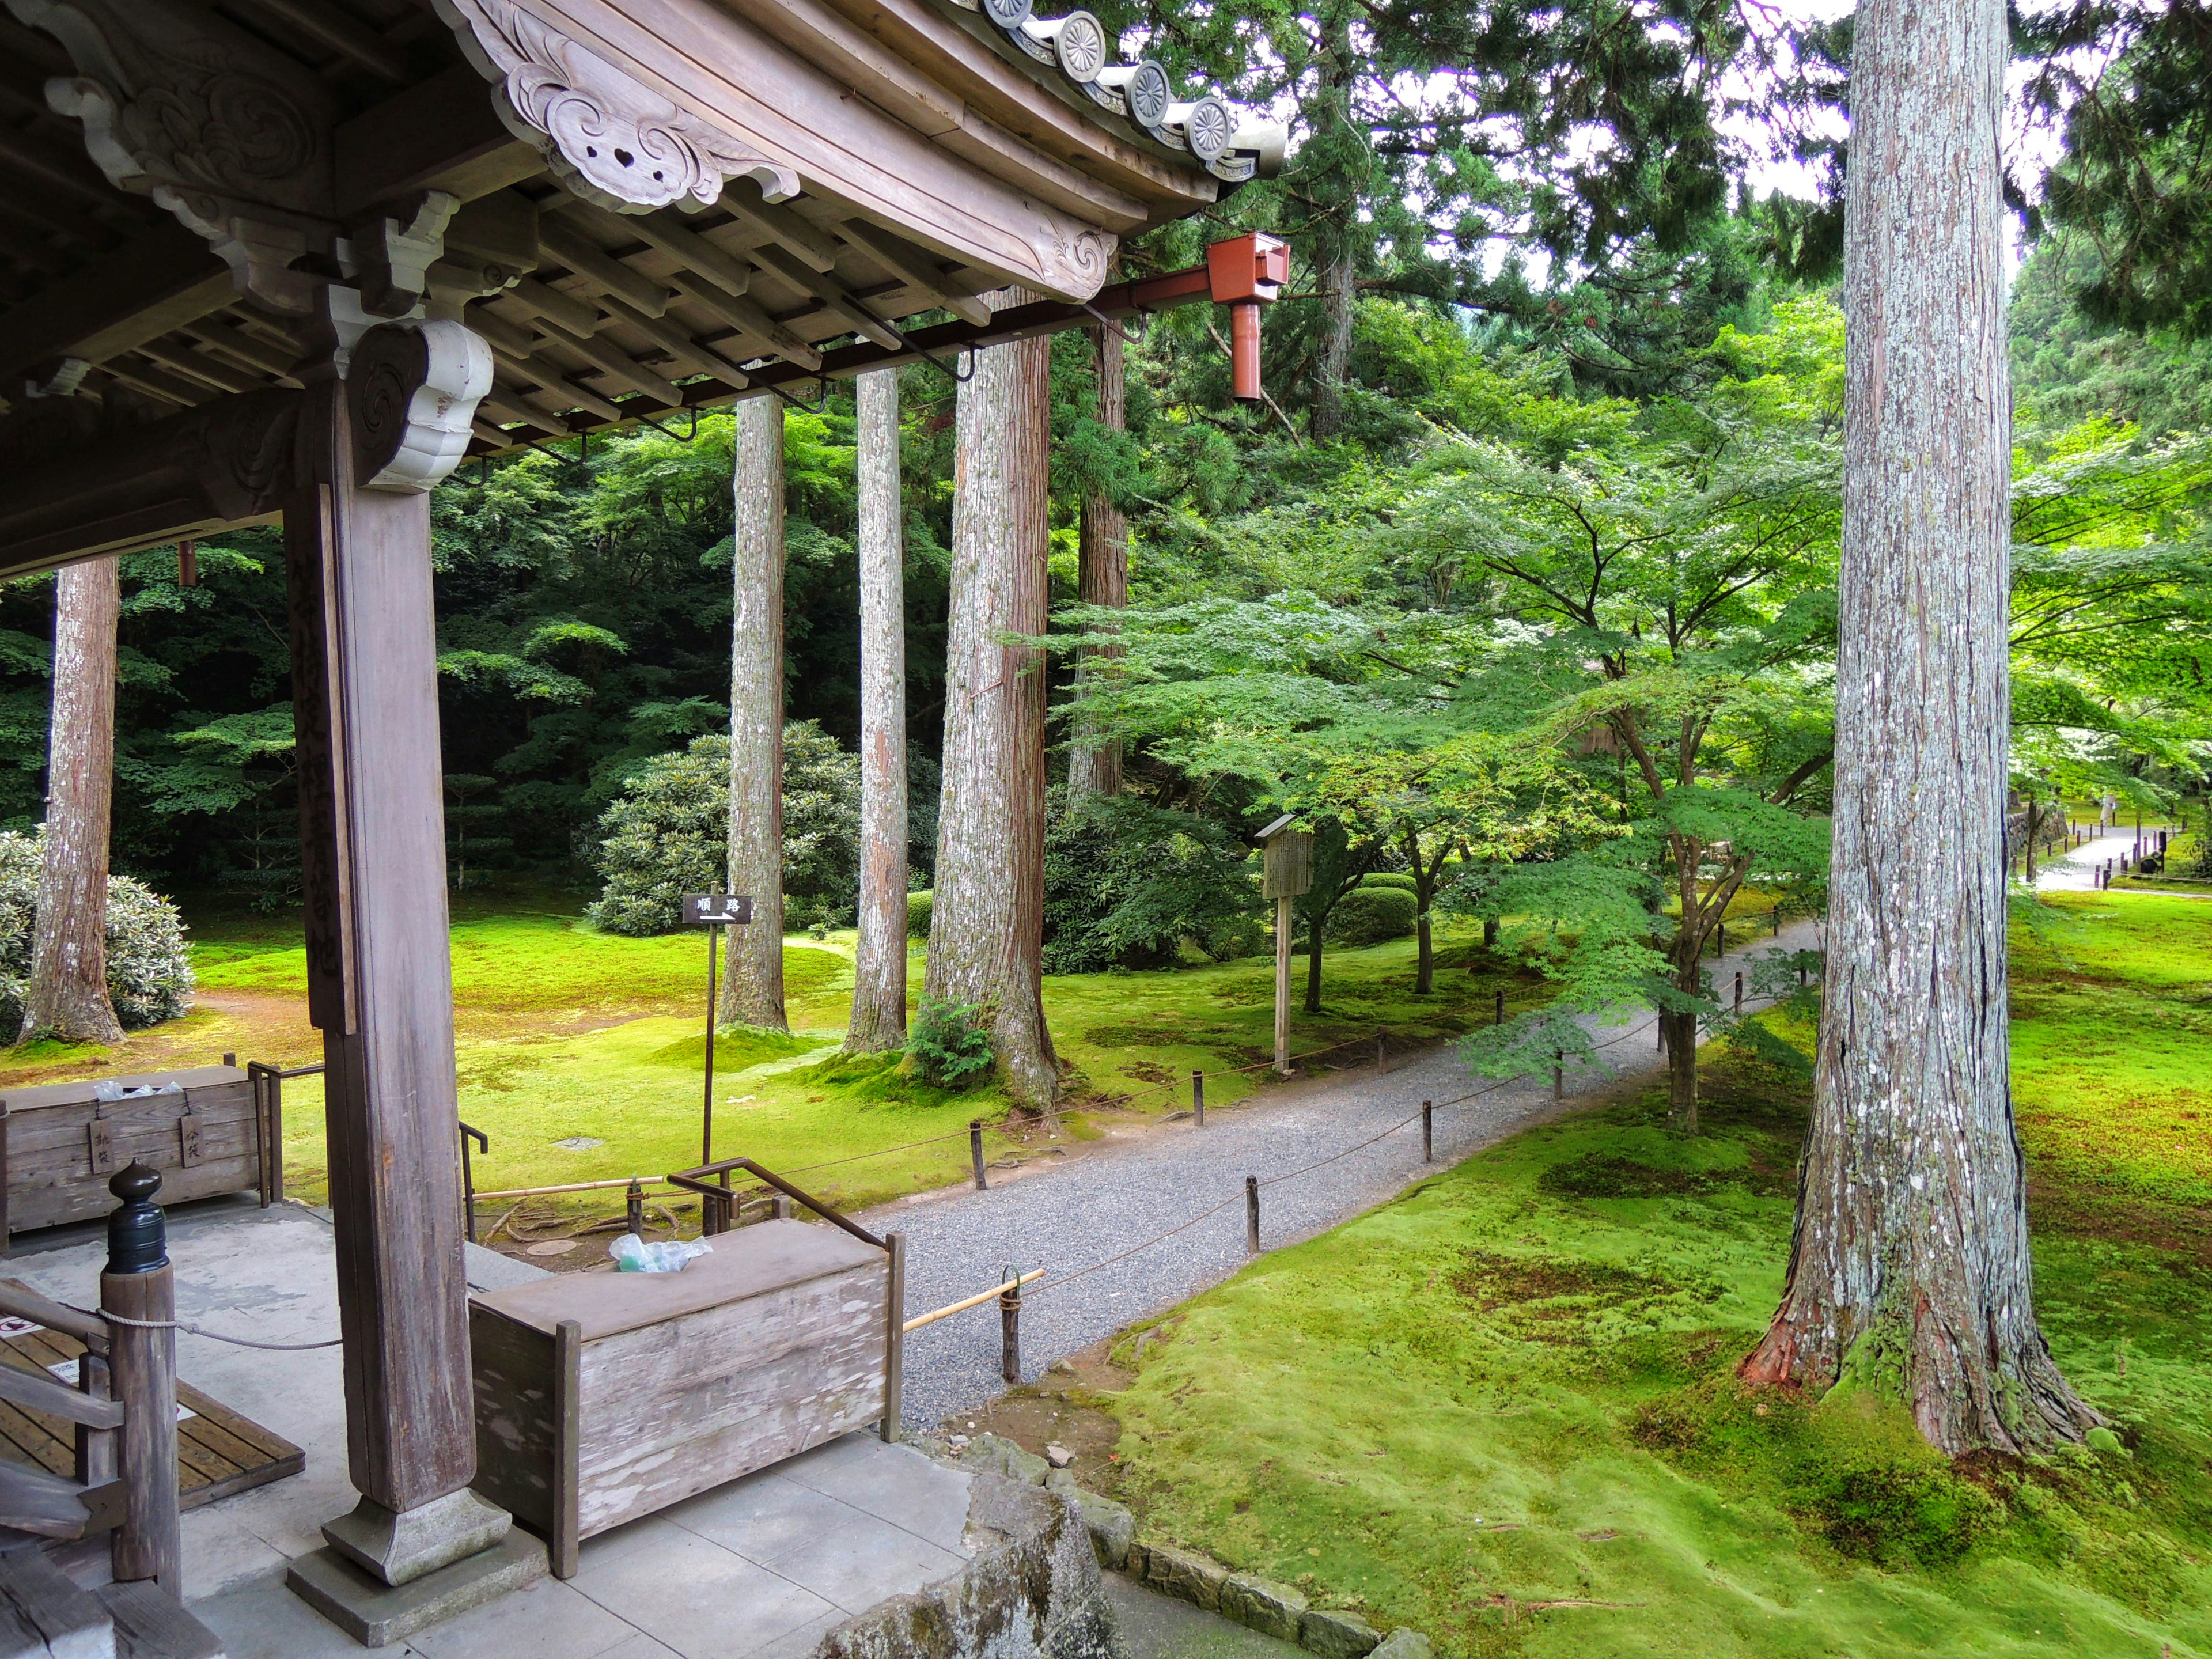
<point x="602" y="1396"/>
<point x="59" y="1144"/>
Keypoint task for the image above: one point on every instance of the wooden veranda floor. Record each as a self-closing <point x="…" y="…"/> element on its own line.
<point x="218" y="1451"/>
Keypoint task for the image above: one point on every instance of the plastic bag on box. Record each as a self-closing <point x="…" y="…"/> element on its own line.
<point x="632" y="1255"/>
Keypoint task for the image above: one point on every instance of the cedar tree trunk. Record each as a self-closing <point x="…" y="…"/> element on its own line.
<point x="878" y="1019"/>
<point x="752" y="994"/>
<point x="987" y="930"/>
<point x="1102" y="572"/>
<point x="67" y="996"/>
<point x="1909" y="1267"/>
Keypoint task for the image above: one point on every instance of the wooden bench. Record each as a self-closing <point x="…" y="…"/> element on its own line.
<point x="602" y="1396"/>
<point x="59" y="1142"/>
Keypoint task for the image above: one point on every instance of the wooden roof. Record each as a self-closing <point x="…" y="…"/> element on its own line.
<point x="634" y="202"/>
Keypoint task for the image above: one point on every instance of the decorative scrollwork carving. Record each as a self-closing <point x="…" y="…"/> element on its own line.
<point x="411" y="390"/>
<point x="217" y="126"/>
<point x="1081" y="260"/>
<point x="244" y="449"/>
<point x="612" y="141"/>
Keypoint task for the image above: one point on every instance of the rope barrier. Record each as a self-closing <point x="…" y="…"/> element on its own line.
<point x="194" y="1330"/>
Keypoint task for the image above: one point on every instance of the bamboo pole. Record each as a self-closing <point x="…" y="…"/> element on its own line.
<point x="975" y="1300"/>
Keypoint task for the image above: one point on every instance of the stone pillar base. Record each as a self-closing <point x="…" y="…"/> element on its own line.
<point x="399" y="1546"/>
<point x="376" y="1613"/>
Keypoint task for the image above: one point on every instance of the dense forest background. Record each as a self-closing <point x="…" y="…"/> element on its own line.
<point x="1471" y="312"/>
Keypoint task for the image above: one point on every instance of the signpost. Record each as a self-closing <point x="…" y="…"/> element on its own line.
<point x="713" y="911"/>
<point x="1286" y="873"/>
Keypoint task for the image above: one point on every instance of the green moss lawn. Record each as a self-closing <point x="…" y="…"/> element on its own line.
<point x="1502" y="1409"/>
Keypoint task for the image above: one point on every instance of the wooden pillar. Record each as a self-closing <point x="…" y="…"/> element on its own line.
<point x="364" y="649"/>
<point x="752" y="993"/>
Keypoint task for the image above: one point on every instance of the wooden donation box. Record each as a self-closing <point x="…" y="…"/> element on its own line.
<point x="603" y="1396"/>
<point x="200" y="1127"/>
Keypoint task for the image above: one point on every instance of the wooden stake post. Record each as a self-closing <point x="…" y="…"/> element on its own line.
<point x="1287" y="873"/>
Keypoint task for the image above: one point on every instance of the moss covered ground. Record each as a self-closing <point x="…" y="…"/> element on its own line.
<point x="580" y="1053"/>
<point x="1502" y="1409"/>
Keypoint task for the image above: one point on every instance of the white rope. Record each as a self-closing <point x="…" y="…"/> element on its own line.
<point x="194" y="1330"/>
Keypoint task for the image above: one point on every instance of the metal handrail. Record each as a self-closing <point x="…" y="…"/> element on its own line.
<point x="469" y="1133"/>
<point x="718" y="1197"/>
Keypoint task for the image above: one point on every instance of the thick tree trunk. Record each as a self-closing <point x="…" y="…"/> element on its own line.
<point x="1681" y="1031"/>
<point x="67" y="996"/>
<point x="1337" y="255"/>
<point x="878" y="1019"/>
<point x="1102" y="573"/>
<point x="1424" y="969"/>
<point x="987" y="930"/>
<point x="1910" y="1264"/>
<point x="752" y="993"/>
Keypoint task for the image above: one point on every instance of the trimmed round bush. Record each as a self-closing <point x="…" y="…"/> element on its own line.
<point x="149" y="961"/>
<point x="1372" y="916"/>
<point x="1397" y="879"/>
<point x="669" y="834"/>
<point x="918" y="908"/>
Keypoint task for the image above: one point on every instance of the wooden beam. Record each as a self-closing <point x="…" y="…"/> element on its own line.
<point x="742" y="313"/>
<point x="795" y="235"/>
<point x="598" y="269"/>
<point x="157" y="382"/>
<point x="914" y="268"/>
<point x="698" y="358"/>
<point x="832" y="293"/>
<point x="559" y="388"/>
<point x="621" y="369"/>
<point x="687" y="247"/>
<point x="331" y="27"/>
<point x="228" y="338"/>
<point x="153" y="284"/>
<point x="503" y="337"/>
<point x="438" y="134"/>
<point x="192" y="365"/>
<point x="519" y="413"/>
<point x="574" y="316"/>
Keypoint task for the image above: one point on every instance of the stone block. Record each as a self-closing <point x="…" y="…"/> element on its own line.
<point x="1186" y="1576"/>
<point x="1403" y="1643"/>
<point x="1338" y="1635"/>
<point x="1262" y="1604"/>
<point x="401" y="1546"/>
<point x="1032" y="1591"/>
<point x="1001" y="1456"/>
<point x="1113" y="1528"/>
<point x="376" y="1614"/>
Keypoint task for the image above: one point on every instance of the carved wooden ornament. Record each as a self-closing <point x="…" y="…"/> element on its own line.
<point x="412" y="389"/>
<point x="611" y="140"/>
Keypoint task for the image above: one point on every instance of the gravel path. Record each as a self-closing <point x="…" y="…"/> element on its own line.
<point x="1113" y="1199"/>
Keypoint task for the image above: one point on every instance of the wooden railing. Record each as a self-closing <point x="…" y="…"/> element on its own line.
<point x="267" y="1084"/>
<point x="123" y="1409"/>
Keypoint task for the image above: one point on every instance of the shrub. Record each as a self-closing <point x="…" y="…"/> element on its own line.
<point x="948" y="1044"/>
<point x="149" y="962"/>
<point x="1397" y="879"/>
<point x="918" y="907"/>
<point x="1125" y="883"/>
<point x="1370" y="915"/>
<point x="670" y="833"/>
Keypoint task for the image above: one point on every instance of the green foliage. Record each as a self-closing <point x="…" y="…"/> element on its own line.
<point x="949" y="1044"/>
<point x="918" y="906"/>
<point x="1389" y="879"/>
<point x="1369" y="915"/>
<point x="669" y="834"/>
<point x="1126" y="883"/>
<point x="150" y="962"/>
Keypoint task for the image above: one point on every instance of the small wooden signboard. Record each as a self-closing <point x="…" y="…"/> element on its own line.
<point x="710" y="908"/>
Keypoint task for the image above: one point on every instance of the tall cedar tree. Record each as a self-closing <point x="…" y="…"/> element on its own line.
<point x="67" y="996"/>
<point x="1909" y="1266"/>
<point x="878" y="1019"/>
<point x="987" y="930"/>
<point x="1094" y="767"/>
<point x="753" y="993"/>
